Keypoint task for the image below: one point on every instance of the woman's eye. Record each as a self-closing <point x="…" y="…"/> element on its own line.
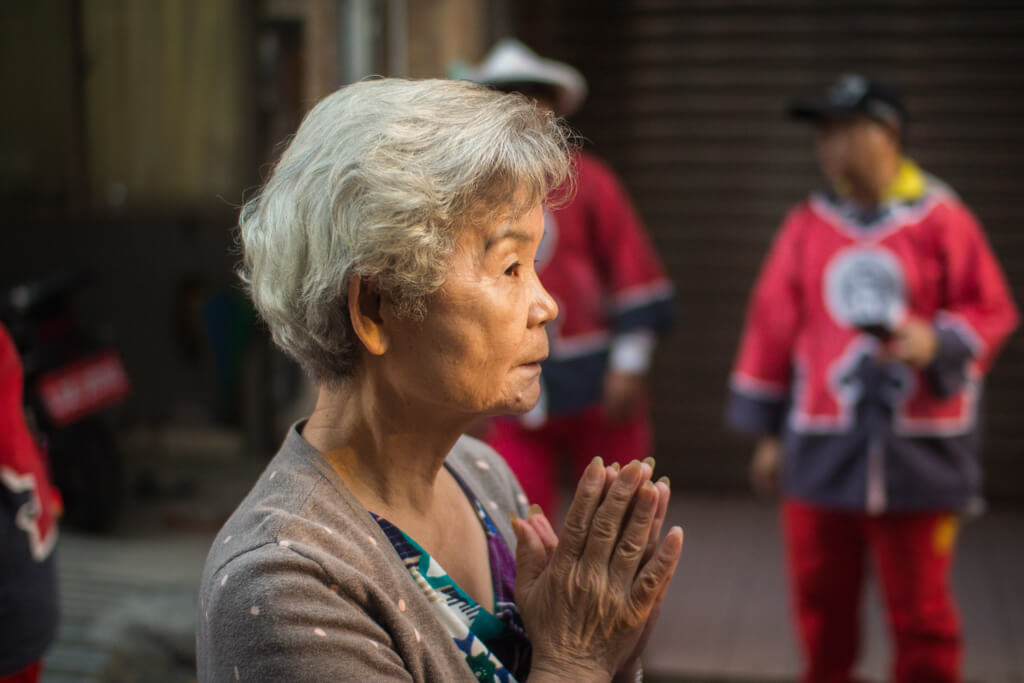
<point x="513" y="269"/>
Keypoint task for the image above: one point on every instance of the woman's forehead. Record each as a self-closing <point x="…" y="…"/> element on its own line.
<point x="521" y="226"/>
<point x="515" y="223"/>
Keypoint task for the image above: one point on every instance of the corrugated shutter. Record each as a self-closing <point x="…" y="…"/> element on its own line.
<point x="687" y="102"/>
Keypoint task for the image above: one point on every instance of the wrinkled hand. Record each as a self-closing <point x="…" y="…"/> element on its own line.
<point x="622" y="394"/>
<point x="548" y="537"/>
<point x="627" y="672"/>
<point x="764" y="466"/>
<point x="587" y="598"/>
<point x="914" y="343"/>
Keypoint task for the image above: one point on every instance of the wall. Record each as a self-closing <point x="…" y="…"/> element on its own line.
<point x="131" y="131"/>
<point x="165" y="113"/>
<point x="38" y="157"/>
<point x="125" y="150"/>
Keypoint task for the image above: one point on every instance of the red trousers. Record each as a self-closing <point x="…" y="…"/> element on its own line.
<point x="30" y="674"/>
<point x="912" y="555"/>
<point x="535" y="454"/>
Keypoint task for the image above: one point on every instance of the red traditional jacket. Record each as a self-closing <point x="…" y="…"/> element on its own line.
<point x="598" y="263"/>
<point x="29" y="506"/>
<point x="861" y="432"/>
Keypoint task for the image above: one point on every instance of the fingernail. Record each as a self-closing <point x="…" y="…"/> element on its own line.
<point x="616" y="466"/>
<point x="535" y="510"/>
<point x="666" y="481"/>
<point x="649" y="460"/>
<point x="648" y="486"/>
<point x="592" y="473"/>
<point x="512" y="520"/>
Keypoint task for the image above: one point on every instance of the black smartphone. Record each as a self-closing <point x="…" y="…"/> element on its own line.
<point x="880" y="331"/>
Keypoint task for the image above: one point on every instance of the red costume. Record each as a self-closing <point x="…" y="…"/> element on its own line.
<point x="29" y="506"/>
<point x="613" y="297"/>
<point x="877" y="456"/>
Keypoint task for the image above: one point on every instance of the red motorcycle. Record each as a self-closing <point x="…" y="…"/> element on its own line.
<point x="70" y="381"/>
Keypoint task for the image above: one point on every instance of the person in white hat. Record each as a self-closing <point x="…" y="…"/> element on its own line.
<point x="511" y="66"/>
<point x="599" y="264"/>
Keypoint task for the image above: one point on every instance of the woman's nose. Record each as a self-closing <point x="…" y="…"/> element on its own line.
<point x="544" y="308"/>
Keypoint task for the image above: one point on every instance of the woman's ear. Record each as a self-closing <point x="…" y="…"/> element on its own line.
<point x="364" y="310"/>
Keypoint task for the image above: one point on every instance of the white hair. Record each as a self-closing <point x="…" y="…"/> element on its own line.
<point x="377" y="183"/>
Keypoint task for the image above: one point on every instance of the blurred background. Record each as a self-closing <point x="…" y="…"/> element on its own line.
<point x="132" y="130"/>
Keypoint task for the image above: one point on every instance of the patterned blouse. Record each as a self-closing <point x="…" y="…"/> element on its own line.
<point x="493" y="641"/>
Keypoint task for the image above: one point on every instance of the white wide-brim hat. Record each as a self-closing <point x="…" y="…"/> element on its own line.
<point x="509" y="61"/>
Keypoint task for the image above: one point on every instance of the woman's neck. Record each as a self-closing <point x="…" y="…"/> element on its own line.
<point x="389" y="452"/>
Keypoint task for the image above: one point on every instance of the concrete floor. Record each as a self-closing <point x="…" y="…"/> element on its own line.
<point x="129" y="597"/>
<point x="727" y="613"/>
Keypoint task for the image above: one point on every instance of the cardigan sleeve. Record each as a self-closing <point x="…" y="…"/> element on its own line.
<point x="273" y="614"/>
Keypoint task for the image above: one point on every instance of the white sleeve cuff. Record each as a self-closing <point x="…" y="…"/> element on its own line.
<point x="631" y="352"/>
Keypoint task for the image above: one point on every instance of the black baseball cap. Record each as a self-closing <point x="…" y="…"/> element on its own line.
<point x="854" y="95"/>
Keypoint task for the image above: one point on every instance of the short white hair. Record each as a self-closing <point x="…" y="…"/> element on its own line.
<point x="377" y="183"/>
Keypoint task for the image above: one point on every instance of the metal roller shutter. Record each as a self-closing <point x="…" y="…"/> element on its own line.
<point x="687" y="102"/>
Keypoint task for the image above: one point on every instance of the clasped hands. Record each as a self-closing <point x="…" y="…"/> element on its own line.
<point x="590" y="597"/>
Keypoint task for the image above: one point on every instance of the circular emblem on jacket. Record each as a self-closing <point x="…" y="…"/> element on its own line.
<point x="865" y="288"/>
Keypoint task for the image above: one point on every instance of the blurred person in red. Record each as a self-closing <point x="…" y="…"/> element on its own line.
<point x="598" y="263"/>
<point x="29" y="506"/>
<point x="875" y="316"/>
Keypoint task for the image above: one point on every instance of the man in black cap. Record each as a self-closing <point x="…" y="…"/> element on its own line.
<point x="874" y="318"/>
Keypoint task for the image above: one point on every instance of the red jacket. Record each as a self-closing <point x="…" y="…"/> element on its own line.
<point x="806" y="369"/>
<point x="598" y="263"/>
<point x="29" y="506"/>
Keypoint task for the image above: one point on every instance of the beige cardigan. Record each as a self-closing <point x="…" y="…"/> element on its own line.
<point x="302" y="585"/>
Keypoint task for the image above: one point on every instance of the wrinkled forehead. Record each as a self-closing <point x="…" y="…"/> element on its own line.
<point x="490" y="228"/>
<point x="501" y="202"/>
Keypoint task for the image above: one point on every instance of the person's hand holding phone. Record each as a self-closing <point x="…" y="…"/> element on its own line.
<point x="914" y="342"/>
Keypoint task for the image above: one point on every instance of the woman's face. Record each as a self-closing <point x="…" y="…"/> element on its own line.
<point x="478" y="350"/>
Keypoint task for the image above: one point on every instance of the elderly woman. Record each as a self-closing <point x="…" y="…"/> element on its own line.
<point x="391" y="254"/>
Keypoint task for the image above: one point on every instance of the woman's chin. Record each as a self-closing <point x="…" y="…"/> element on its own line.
<point x="522" y="402"/>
